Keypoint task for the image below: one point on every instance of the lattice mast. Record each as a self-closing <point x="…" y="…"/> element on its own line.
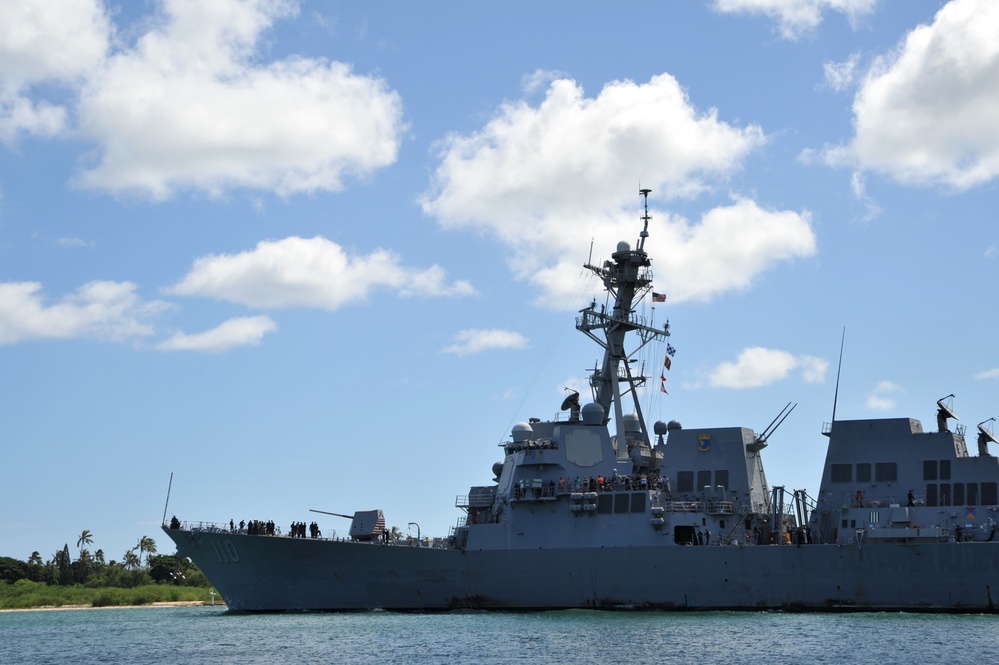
<point x="628" y="278"/>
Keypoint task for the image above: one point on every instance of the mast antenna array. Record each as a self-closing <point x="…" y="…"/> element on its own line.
<point x="645" y="218"/>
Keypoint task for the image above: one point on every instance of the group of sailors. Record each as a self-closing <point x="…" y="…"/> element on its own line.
<point x="267" y="528"/>
<point x="253" y="527"/>
<point x="298" y="530"/>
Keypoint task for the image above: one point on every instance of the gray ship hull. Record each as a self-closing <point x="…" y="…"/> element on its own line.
<point x="264" y="573"/>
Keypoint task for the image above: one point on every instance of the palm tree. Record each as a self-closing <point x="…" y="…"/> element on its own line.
<point x="130" y="561"/>
<point x="86" y="538"/>
<point x="36" y="566"/>
<point x="147" y="545"/>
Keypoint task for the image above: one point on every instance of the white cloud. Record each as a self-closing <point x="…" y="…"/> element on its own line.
<point x="467" y="342"/>
<point x="880" y="398"/>
<point x="540" y="78"/>
<point x="53" y="41"/>
<point x="103" y="310"/>
<point x="925" y="114"/>
<point x="730" y="247"/>
<point x="796" y="18"/>
<point x="840" y="75"/>
<point x="546" y="179"/>
<point x="858" y="183"/>
<point x="991" y="251"/>
<point x="571" y="152"/>
<point x="241" y="331"/>
<point x="191" y="106"/>
<point x="315" y="272"/>
<point x="988" y="374"/>
<point x="758" y="366"/>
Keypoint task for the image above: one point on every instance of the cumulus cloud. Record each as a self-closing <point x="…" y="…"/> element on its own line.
<point x="310" y="272"/>
<point x="467" y="342"/>
<point x="191" y="106"/>
<point x="544" y="180"/>
<point x="758" y="366"/>
<point x="102" y="310"/>
<point x="796" y="18"/>
<point x="880" y="399"/>
<point x="57" y="41"/>
<point x="925" y="114"/>
<point x="241" y="331"/>
<point x="728" y="248"/>
<point x="571" y="152"/>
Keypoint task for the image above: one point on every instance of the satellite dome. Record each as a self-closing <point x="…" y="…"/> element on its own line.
<point x="631" y="422"/>
<point x="623" y="246"/>
<point x="674" y="424"/>
<point x="660" y="427"/>
<point x="522" y="432"/>
<point x="593" y="414"/>
<point x="497" y="469"/>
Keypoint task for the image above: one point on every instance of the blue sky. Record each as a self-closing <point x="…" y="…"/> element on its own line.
<point x="325" y="254"/>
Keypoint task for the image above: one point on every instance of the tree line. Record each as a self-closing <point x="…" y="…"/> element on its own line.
<point x="138" y="566"/>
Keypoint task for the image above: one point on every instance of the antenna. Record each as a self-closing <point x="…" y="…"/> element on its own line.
<point x="645" y="218"/>
<point x="167" y="504"/>
<point x="839" y="368"/>
<point x="771" y="428"/>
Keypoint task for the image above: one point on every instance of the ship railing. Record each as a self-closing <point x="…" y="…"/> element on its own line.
<point x="591" y="320"/>
<point x="720" y="508"/>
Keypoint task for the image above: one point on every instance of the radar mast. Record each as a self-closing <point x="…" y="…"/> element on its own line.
<point x="627" y="277"/>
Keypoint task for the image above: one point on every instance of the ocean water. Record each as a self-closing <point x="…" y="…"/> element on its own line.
<point x="213" y="635"/>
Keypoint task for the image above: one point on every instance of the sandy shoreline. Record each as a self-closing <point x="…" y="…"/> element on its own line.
<point x="179" y="603"/>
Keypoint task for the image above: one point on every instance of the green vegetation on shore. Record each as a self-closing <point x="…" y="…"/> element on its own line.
<point x="91" y="580"/>
<point x="25" y="594"/>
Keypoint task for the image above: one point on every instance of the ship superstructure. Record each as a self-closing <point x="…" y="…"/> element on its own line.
<point x="589" y="510"/>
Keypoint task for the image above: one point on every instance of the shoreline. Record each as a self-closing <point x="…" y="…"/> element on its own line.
<point x="88" y="606"/>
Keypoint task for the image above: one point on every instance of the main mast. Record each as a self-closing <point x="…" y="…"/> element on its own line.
<point x="627" y="277"/>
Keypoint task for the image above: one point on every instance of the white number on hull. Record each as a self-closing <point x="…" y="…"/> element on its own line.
<point x="225" y="551"/>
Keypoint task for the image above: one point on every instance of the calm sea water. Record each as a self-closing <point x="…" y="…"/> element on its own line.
<point x="210" y="634"/>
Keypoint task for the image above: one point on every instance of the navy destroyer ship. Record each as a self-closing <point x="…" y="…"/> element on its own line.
<point x="591" y="510"/>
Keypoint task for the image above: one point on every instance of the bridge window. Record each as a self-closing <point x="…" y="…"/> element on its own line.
<point x="944" y="494"/>
<point x="930" y="469"/>
<point x="989" y="494"/>
<point x="621" y="503"/>
<point x="638" y="502"/>
<point x="605" y="504"/>
<point x="685" y="481"/>
<point x="959" y="494"/>
<point x="841" y="473"/>
<point x="931" y="494"/>
<point x="972" y="494"/>
<point x="945" y="469"/>
<point x="863" y="473"/>
<point x="721" y="478"/>
<point x="886" y="472"/>
<point x="703" y="479"/>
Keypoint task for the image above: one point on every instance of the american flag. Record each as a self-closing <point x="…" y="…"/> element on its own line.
<point x="658" y="297"/>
